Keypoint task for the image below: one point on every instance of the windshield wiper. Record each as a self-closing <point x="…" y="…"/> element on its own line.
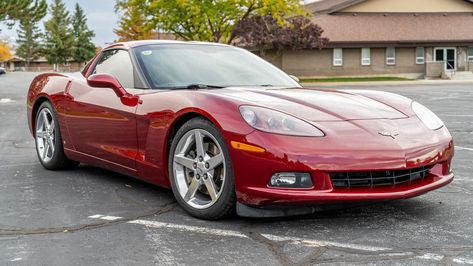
<point x="203" y="86"/>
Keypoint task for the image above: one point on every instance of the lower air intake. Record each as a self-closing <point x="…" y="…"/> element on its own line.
<point x="378" y="178"/>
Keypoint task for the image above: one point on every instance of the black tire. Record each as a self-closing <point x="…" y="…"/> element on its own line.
<point x="226" y="203"/>
<point x="59" y="160"/>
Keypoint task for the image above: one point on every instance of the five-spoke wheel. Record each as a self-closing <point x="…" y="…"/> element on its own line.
<point x="200" y="170"/>
<point x="45" y="134"/>
<point x="48" y="139"/>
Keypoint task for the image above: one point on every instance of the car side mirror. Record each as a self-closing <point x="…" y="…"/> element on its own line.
<point x="109" y="81"/>
<point x="295" y="78"/>
<point x="106" y="81"/>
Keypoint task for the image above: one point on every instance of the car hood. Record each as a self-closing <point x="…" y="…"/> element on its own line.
<point x="314" y="104"/>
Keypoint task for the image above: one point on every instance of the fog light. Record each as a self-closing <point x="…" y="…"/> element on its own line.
<point x="291" y="180"/>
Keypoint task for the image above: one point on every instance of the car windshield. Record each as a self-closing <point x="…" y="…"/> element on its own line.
<point x="207" y="66"/>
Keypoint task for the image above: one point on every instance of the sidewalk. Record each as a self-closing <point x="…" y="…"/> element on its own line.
<point x="389" y="83"/>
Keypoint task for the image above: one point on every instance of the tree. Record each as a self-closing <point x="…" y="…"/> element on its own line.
<point x="83" y="47"/>
<point x="29" y="35"/>
<point x="28" y="40"/>
<point x="209" y="20"/>
<point x="12" y="10"/>
<point x="132" y="24"/>
<point x="58" y="38"/>
<point x="264" y="32"/>
<point x="5" y="52"/>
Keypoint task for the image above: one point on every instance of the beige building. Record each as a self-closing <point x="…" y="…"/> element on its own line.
<point x="430" y="38"/>
<point x="17" y="63"/>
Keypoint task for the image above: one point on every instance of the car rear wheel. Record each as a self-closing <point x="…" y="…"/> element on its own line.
<point x="48" y="140"/>
<point x="201" y="172"/>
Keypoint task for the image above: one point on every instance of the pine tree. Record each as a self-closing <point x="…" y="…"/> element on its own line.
<point x="28" y="40"/>
<point x="29" y="33"/>
<point x="58" y="41"/>
<point x="83" y="48"/>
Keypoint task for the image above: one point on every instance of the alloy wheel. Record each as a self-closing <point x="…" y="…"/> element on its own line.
<point x="199" y="168"/>
<point x="45" y="135"/>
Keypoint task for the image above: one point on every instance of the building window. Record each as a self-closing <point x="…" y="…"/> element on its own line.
<point x="420" y="55"/>
<point x="390" y="56"/>
<point x="338" y="57"/>
<point x="365" y="56"/>
<point x="470" y="54"/>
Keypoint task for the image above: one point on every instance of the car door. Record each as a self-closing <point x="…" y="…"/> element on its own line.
<point x="99" y="124"/>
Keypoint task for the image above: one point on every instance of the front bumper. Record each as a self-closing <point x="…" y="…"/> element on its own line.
<point x="293" y="204"/>
<point x="322" y="156"/>
<point x="271" y="196"/>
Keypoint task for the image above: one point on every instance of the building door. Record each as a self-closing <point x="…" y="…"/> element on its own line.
<point x="447" y="55"/>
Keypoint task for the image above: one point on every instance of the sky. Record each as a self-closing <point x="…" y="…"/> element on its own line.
<point x="101" y="18"/>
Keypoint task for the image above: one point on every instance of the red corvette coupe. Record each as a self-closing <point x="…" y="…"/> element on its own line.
<point x="229" y="132"/>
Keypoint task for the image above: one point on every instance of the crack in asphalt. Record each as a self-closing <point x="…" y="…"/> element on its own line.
<point x="315" y="257"/>
<point x="82" y="227"/>
<point x="360" y="256"/>
<point x="276" y="247"/>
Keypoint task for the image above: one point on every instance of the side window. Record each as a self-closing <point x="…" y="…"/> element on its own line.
<point x="118" y="64"/>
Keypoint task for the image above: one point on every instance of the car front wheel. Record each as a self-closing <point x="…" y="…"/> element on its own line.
<point x="201" y="171"/>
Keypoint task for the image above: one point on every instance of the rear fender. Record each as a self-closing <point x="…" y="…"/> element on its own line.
<point x="48" y="87"/>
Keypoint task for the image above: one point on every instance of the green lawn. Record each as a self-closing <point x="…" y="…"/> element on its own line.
<point x="353" y="79"/>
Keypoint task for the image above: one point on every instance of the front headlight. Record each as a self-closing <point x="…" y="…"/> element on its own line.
<point x="428" y="117"/>
<point x="272" y="121"/>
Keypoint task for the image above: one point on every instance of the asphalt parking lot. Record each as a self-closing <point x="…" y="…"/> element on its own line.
<point x="91" y="216"/>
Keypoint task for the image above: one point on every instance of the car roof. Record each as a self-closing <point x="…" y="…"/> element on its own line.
<point x="132" y="44"/>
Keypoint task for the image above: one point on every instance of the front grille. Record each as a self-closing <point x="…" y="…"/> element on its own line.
<point x="378" y="178"/>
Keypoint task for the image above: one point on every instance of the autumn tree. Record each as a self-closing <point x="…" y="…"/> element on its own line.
<point x="11" y="10"/>
<point x="5" y="52"/>
<point x="208" y="20"/>
<point x="83" y="47"/>
<point x="264" y="32"/>
<point x="29" y="35"/>
<point x="132" y="24"/>
<point x="58" y="37"/>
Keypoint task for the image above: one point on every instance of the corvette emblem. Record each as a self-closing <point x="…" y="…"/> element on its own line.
<point x="393" y="134"/>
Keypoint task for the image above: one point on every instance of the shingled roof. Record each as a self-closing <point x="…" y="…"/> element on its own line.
<point x="363" y="29"/>
<point x="396" y="28"/>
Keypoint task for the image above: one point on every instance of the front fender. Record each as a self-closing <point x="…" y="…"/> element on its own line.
<point x="161" y="113"/>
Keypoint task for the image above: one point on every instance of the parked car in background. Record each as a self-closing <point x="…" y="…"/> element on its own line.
<point x="2" y="70"/>
<point x="229" y="132"/>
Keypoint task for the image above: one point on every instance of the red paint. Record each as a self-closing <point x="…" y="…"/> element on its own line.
<point x="109" y="82"/>
<point x="103" y="124"/>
